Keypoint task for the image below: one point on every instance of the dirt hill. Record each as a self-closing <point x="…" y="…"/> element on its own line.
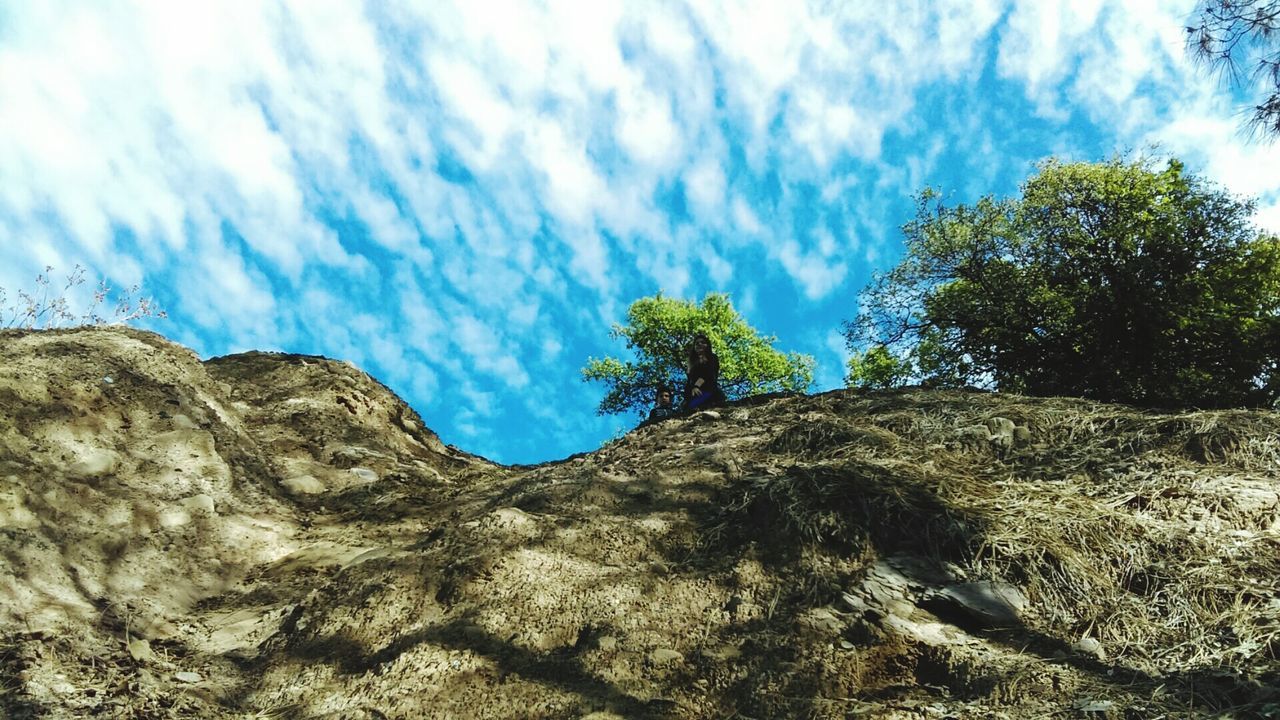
<point x="279" y="536"/>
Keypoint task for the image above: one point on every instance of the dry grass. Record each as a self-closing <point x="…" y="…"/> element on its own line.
<point x="1156" y="534"/>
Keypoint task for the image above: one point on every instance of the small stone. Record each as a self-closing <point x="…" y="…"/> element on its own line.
<point x="1094" y="706"/>
<point x="304" y="485"/>
<point x="607" y="643"/>
<point x="172" y="517"/>
<point x="140" y="650"/>
<point x="822" y="620"/>
<point x="198" y="504"/>
<point x="1000" y="426"/>
<point x="710" y="414"/>
<point x="93" y="463"/>
<point x="728" y="651"/>
<point x="187" y="677"/>
<point x="1090" y="646"/>
<point x="665" y="656"/>
<point x="365" y="474"/>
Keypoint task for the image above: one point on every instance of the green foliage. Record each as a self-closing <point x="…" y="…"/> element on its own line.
<point x="49" y="306"/>
<point x="877" y="367"/>
<point x="658" y="332"/>
<point x="1117" y="281"/>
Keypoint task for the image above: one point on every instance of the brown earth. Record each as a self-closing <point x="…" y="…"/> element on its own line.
<point x="279" y="536"/>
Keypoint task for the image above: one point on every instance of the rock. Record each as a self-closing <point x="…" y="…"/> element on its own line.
<point x="706" y="453"/>
<point x="901" y="608"/>
<point x="303" y="485"/>
<point x="607" y="643"/>
<point x="740" y="415"/>
<point x="1000" y="426"/>
<point x="187" y="677"/>
<point x="513" y="520"/>
<point x="172" y="517"/>
<point x="140" y="650"/>
<point x="198" y="504"/>
<point x="1001" y="433"/>
<point x="92" y="463"/>
<point x="365" y="474"/>
<point x="954" y="571"/>
<point x="855" y="603"/>
<point x="987" y="604"/>
<point x="665" y="656"/>
<point x="1090" y="646"/>
<point x="823" y="621"/>
<point x="724" y="652"/>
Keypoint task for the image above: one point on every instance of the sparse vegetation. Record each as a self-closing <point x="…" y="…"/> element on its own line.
<point x="50" y="304"/>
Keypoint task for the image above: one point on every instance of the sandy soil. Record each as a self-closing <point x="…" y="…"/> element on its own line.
<point x="268" y="535"/>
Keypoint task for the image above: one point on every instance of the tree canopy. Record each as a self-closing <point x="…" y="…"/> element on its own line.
<point x="1229" y="35"/>
<point x="658" y="332"/>
<point x="1118" y="281"/>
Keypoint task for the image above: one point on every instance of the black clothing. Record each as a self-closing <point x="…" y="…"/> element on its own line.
<point x="662" y="412"/>
<point x="704" y="379"/>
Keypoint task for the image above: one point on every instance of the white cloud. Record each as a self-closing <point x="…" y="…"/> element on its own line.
<point x="1214" y="144"/>
<point x="551" y="349"/>
<point x="705" y="184"/>
<point x="645" y="126"/>
<point x="745" y="218"/>
<point x="815" y="273"/>
<point x="469" y="93"/>
<point x="574" y="184"/>
<point x="1036" y="45"/>
<point x="486" y="348"/>
<point x="1268" y="217"/>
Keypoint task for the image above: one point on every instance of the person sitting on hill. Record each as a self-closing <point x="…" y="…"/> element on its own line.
<point x="702" y="390"/>
<point x="663" y="407"/>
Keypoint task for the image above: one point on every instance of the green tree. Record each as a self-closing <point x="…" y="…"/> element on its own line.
<point x="1229" y="34"/>
<point x="658" y="332"/>
<point x="1118" y="281"/>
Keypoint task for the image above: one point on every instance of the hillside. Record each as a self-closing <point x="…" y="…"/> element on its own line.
<point x="279" y="536"/>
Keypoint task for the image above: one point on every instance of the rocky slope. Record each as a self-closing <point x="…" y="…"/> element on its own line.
<point x="267" y="535"/>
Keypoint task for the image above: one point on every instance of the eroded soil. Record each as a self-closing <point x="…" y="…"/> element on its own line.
<point x="269" y="535"/>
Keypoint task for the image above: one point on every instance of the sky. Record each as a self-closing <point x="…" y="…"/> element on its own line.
<point x="461" y="197"/>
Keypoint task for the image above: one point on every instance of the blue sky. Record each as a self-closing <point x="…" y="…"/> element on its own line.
<point x="461" y="197"/>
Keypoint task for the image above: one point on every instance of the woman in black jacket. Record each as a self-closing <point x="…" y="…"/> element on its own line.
<point x="702" y="390"/>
